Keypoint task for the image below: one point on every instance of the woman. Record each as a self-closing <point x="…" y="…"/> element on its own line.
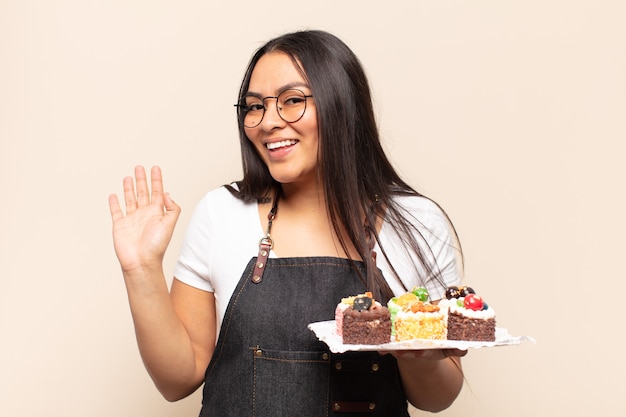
<point x="320" y="194"/>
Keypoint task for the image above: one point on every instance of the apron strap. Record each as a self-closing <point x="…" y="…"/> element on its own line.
<point x="265" y="244"/>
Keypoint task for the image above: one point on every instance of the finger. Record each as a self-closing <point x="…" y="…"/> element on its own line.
<point x="130" y="200"/>
<point x="156" y="183"/>
<point x="114" y="208"/>
<point x="412" y="354"/>
<point x="172" y="210"/>
<point x="455" y="352"/>
<point x="170" y="205"/>
<point x="143" y="194"/>
<point x="403" y="354"/>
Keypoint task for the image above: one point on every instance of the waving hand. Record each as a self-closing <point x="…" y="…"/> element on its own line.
<point x="142" y="234"/>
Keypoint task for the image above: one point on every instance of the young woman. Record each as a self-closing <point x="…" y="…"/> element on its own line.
<point x="320" y="214"/>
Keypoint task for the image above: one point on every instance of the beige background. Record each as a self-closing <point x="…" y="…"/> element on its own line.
<point x="509" y="113"/>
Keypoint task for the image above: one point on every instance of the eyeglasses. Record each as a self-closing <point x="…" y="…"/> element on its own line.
<point x="290" y="104"/>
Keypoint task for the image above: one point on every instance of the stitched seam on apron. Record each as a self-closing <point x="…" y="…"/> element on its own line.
<point x="293" y="360"/>
<point x="253" y="386"/>
<point x="312" y="264"/>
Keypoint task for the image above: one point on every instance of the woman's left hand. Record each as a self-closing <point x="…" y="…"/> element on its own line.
<point x="428" y="354"/>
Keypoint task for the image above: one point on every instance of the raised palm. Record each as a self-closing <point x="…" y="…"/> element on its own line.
<point x="142" y="234"/>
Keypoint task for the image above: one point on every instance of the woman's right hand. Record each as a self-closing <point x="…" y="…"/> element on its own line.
<point x="142" y="234"/>
<point x="175" y="330"/>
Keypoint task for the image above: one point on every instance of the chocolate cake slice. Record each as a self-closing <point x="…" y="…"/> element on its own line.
<point x="461" y="327"/>
<point x="366" y="326"/>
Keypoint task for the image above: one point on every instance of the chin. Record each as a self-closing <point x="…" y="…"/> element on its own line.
<point x="290" y="176"/>
<point x="284" y="177"/>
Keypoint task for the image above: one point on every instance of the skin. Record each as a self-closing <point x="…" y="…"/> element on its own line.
<point x="176" y="329"/>
<point x="302" y="205"/>
<point x="293" y="166"/>
<point x="175" y="348"/>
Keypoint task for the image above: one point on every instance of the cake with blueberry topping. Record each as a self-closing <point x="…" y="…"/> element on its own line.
<point x="361" y="320"/>
<point x="342" y="306"/>
<point x="469" y="316"/>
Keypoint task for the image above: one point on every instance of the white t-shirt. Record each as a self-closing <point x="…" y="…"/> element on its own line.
<point x="224" y="233"/>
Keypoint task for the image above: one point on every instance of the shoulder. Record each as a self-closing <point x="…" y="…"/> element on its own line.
<point x="415" y="202"/>
<point x="421" y="211"/>
<point x="222" y="200"/>
<point x="221" y="195"/>
<point x="219" y="212"/>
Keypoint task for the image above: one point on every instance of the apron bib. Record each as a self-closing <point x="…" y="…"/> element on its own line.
<point x="267" y="363"/>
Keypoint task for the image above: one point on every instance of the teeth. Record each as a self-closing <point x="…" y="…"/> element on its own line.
<point x="280" y="144"/>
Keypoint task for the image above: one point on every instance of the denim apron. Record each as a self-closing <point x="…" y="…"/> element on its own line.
<point x="267" y="363"/>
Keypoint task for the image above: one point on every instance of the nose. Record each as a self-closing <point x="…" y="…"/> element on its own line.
<point x="271" y="118"/>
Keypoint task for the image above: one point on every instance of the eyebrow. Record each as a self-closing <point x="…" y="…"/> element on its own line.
<point x="288" y="86"/>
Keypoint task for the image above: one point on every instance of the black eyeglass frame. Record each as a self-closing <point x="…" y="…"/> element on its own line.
<point x="241" y="107"/>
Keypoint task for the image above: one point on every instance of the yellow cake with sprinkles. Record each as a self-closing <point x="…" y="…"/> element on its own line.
<point x="414" y="317"/>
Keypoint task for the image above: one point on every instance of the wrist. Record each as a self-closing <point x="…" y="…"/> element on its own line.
<point x="146" y="277"/>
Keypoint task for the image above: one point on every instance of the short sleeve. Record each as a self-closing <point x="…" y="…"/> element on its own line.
<point x="436" y="239"/>
<point x="193" y="265"/>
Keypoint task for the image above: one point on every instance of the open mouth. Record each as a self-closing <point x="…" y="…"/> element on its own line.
<point x="282" y="144"/>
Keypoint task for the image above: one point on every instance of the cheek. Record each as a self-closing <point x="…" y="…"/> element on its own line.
<point x="255" y="143"/>
<point x="253" y="136"/>
<point x="308" y="125"/>
<point x="249" y="133"/>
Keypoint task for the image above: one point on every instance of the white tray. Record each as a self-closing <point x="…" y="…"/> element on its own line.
<point x="326" y="332"/>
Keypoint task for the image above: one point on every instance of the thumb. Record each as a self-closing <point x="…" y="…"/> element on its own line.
<point x="171" y="207"/>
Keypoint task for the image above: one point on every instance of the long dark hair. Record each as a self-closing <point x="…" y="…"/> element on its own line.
<point x="358" y="179"/>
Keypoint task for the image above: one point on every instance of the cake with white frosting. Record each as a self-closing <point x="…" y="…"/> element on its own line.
<point x="469" y="316"/>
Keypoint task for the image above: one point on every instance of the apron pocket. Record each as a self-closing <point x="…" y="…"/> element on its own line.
<point x="279" y="377"/>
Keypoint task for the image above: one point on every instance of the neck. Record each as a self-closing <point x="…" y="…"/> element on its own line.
<point x="303" y="226"/>
<point x="307" y="199"/>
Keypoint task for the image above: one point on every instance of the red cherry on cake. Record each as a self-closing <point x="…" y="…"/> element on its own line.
<point x="473" y="302"/>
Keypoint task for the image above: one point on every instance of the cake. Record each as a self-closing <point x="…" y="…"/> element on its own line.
<point x="342" y="306"/>
<point x="361" y="320"/>
<point x="469" y="317"/>
<point x="461" y="315"/>
<point x="414" y="317"/>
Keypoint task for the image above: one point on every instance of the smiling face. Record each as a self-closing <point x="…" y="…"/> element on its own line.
<point x="290" y="150"/>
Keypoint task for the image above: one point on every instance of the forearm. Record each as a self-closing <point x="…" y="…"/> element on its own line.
<point x="431" y="384"/>
<point x="164" y="344"/>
